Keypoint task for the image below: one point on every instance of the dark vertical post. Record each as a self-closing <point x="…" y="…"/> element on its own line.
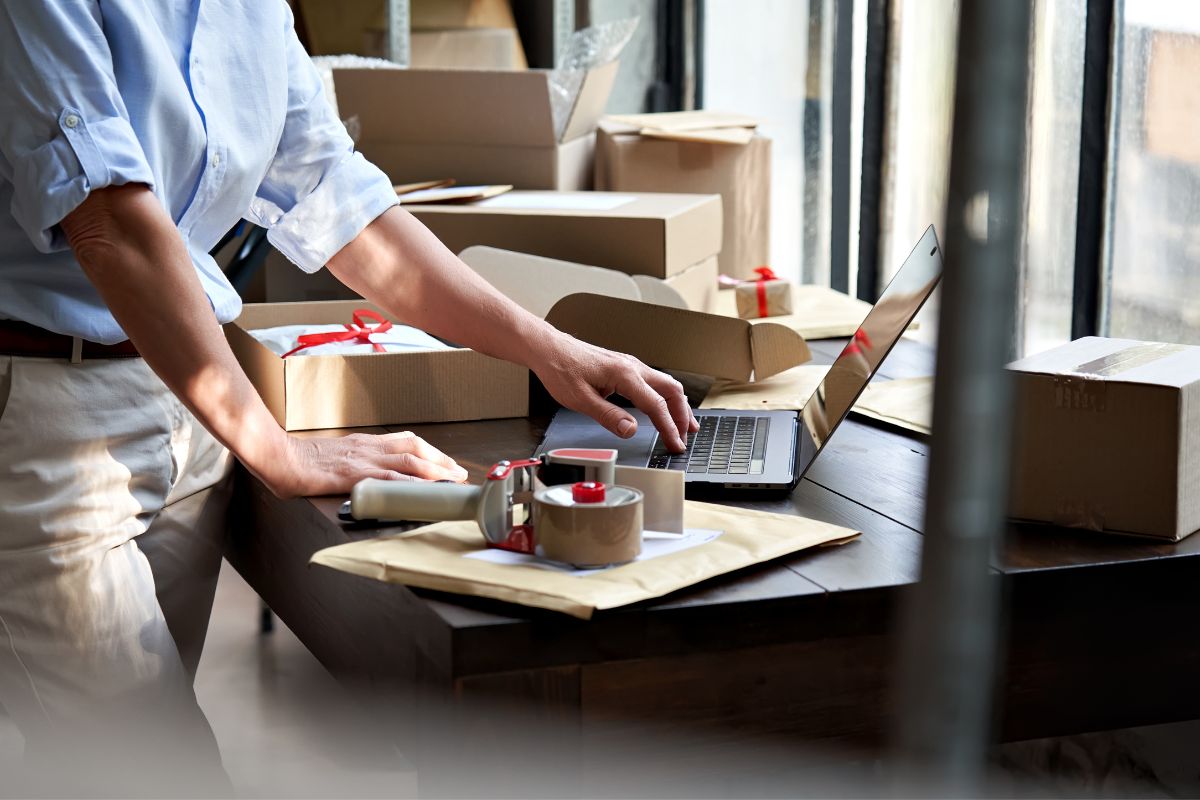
<point x="811" y="124"/>
<point x="698" y="58"/>
<point x="951" y="619"/>
<point x="874" y="105"/>
<point x="1093" y="147"/>
<point x="839" y="218"/>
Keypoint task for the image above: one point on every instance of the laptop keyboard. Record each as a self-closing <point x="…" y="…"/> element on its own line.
<point x="732" y="445"/>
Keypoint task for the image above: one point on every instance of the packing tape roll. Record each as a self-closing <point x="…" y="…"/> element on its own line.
<point x="588" y="534"/>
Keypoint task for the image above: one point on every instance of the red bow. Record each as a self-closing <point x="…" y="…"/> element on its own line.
<point x="358" y="332"/>
<point x="764" y="274"/>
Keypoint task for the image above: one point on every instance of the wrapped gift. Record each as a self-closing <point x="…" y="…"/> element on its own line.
<point x="354" y="338"/>
<point x="767" y="296"/>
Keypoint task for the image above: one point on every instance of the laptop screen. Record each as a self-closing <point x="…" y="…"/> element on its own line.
<point x="874" y="339"/>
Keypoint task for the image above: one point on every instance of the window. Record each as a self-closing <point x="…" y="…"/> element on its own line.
<point x="1154" y="217"/>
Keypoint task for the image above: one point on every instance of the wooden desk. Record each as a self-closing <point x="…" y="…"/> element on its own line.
<point x="1101" y="631"/>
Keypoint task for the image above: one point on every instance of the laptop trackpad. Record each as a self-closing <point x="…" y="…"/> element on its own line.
<point x="572" y="429"/>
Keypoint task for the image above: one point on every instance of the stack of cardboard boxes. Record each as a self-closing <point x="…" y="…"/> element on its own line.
<point x="444" y="34"/>
<point x="680" y="206"/>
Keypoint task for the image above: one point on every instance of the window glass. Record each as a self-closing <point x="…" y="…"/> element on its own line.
<point x="1052" y="161"/>
<point x="1154" y="287"/>
<point x="919" y="113"/>
<point x="767" y="58"/>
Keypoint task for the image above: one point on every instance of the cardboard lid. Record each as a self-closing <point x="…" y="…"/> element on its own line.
<point x="466" y="106"/>
<point x="673" y="338"/>
<point x="1118" y="361"/>
<point x="537" y="284"/>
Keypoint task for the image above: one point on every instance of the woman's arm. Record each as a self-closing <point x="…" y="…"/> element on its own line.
<point x="398" y="264"/>
<point x="131" y="251"/>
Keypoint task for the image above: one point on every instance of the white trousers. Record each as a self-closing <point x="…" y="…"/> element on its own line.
<point x="113" y="502"/>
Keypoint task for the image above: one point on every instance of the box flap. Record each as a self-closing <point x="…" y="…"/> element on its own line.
<point x="536" y="283"/>
<point x="672" y="338"/>
<point x="484" y="107"/>
<point x="591" y="100"/>
<point x="1118" y="360"/>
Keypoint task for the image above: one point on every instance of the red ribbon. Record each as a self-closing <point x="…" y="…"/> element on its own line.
<point x="859" y="336"/>
<point x="764" y="274"/>
<point x="358" y="332"/>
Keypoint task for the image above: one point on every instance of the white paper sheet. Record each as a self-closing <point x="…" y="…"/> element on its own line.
<point x="573" y="201"/>
<point x="654" y="545"/>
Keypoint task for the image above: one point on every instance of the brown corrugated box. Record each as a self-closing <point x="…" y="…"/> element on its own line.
<point x="476" y="126"/>
<point x="628" y="160"/>
<point x="463" y="48"/>
<point x="640" y="234"/>
<point x="332" y="391"/>
<point x="1108" y="437"/>
<point x="427" y="14"/>
<point x="354" y="26"/>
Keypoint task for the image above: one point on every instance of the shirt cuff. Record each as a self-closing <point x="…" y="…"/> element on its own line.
<point x="352" y="195"/>
<point x="84" y="155"/>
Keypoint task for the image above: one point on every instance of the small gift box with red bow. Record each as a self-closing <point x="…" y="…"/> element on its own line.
<point x="767" y="296"/>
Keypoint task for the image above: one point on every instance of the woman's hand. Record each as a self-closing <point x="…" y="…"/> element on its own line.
<point x="319" y="466"/>
<point x="582" y="376"/>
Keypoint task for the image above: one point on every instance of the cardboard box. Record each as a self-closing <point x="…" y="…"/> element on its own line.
<point x="335" y="27"/>
<point x="1108" y="437"/>
<point x="330" y="391"/>
<point x="476" y="126"/>
<point x="464" y="48"/>
<point x="770" y="297"/>
<point x="629" y="160"/>
<point x="697" y="285"/>
<point x="432" y="14"/>
<point x="640" y="234"/>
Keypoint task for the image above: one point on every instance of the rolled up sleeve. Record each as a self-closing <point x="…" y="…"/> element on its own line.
<point x="64" y="128"/>
<point x="318" y="193"/>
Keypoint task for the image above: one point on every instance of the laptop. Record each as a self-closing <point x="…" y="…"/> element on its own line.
<point x="771" y="450"/>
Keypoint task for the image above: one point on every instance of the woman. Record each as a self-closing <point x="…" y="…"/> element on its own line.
<point x="133" y="134"/>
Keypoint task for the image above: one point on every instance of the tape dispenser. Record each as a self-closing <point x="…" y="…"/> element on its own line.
<point x="570" y="493"/>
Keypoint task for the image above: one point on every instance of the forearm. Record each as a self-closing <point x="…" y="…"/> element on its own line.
<point x="133" y="254"/>
<point x="398" y="264"/>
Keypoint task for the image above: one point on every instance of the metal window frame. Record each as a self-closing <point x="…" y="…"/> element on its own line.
<point x="1098" y="130"/>
<point x="841" y="103"/>
<point x="878" y="16"/>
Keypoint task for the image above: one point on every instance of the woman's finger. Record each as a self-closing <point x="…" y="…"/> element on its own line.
<point x="408" y="442"/>
<point x="414" y="465"/>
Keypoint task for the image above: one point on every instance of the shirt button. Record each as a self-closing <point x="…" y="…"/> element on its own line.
<point x="216" y="160"/>
<point x="71" y="121"/>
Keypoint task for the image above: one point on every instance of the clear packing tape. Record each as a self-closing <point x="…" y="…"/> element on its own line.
<point x="587" y="49"/>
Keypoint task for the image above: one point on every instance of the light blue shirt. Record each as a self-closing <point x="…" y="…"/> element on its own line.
<point x="212" y="103"/>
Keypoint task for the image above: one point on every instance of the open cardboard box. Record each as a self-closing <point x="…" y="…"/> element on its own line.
<point x="476" y="126"/>
<point x="332" y="391"/>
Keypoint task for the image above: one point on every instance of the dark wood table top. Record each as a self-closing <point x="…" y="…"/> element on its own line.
<point x="871" y="478"/>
